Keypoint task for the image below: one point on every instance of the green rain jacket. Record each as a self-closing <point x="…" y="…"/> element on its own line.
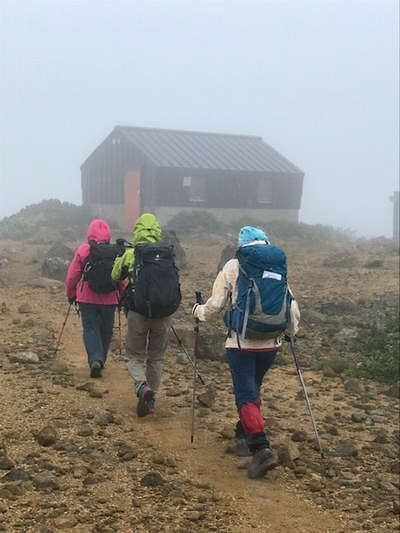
<point x="147" y="229"/>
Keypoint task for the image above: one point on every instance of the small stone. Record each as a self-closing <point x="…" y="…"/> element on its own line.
<point x="47" y="436"/>
<point x="288" y="452"/>
<point x="228" y="432"/>
<point x="381" y="437"/>
<point x="299" y="436"/>
<point x="85" y="431"/>
<point x="95" y="393"/>
<point x="163" y="460"/>
<point x="24" y="357"/>
<point x="358" y="417"/>
<point x="354" y="386"/>
<point x="194" y="516"/>
<point x="345" y="448"/>
<point x="152" y="479"/>
<point x="6" y="463"/>
<point x="16" y="474"/>
<point x="46" y="480"/>
<point x="106" y="420"/>
<point x="92" y="479"/>
<point x="208" y="397"/>
<point x="65" y="522"/>
<point x="393" y="391"/>
<point x="25" y="308"/>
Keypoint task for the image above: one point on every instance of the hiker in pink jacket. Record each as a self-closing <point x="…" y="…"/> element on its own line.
<point x="97" y="308"/>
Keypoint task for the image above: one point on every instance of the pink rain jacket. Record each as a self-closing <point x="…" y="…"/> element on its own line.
<point x="75" y="286"/>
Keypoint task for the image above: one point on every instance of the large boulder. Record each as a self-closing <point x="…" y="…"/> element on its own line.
<point x="171" y="237"/>
<point x="227" y="253"/>
<point x="56" y="262"/>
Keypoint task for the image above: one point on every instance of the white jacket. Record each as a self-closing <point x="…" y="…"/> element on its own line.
<point x="226" y="284"/>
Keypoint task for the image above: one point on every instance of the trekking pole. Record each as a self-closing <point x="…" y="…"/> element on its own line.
<point x="186" y="353"/>
<point x="296" y="358"/>
<point x="195" y="354"/>
<point x="119" y="332"/>
<point x="62" y="329"/>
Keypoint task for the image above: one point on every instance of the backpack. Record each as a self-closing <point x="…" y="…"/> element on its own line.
<point x="261" y="310"/>
<point x="97" y="271"/>
<point x="155" y="290"/>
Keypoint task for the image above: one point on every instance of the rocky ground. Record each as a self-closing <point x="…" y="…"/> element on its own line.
<point x="74" y="457"/>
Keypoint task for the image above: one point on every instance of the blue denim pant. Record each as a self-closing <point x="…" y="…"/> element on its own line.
<point x="248" y="369"/>
<point x="98" y="323"/>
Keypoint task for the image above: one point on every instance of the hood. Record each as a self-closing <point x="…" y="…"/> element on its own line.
<point x="147" y="229"/>
<point x="99" y="231"/>
<point x="248" y="234"/>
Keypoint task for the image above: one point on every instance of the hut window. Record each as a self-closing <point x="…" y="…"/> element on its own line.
<point x="264" y="192"/>
<point x="196" y="187"/>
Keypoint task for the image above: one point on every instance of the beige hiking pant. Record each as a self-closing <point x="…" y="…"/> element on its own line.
<point x="146" y="342"/>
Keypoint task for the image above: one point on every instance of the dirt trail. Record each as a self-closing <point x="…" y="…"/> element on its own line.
<point x="264" y="505"/>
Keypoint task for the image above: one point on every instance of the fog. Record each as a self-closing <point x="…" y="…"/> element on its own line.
<point x="318" y="80"/>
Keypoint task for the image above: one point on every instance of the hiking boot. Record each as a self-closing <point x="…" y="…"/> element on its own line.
<point x="263" y="461"/>
<point x="240" y="448"/>
<point x="95" y="370"/>
<point x="146" y="397"/>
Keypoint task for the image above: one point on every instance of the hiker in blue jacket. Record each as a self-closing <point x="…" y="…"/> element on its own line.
<point x="251" y="352"/>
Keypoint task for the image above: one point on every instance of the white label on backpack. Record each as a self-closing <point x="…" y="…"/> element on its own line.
<point x="272" y="275"/>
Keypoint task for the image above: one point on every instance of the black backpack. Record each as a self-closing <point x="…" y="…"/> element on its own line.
<point x="155" y="290"/>
<point x="98" y="269"/>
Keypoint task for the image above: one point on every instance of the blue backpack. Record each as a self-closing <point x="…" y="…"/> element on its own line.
<point x="261" y="310"/>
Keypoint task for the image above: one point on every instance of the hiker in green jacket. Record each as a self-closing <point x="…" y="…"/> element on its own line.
<point x="147" y="338"/>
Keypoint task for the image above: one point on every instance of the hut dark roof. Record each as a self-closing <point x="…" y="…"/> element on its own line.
<point x="192" y="149"/>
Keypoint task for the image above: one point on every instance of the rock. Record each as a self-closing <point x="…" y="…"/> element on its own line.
<point x="47" y="436"/>
<point x="346" y="334"/>
<point x="358" y="417"/>
<point x="313" y="318"/>
<point x="45" y="283"/>
<point x="106" y="419"/>
<point x="374" y="263"/>
<point x="163" y="460"/>
<point x="6" y="463"/>
<point x="343" y="259"/>
<point x="152" y="479"/>
<point x="171" y="237"/>
<point x="194" y="516"/>
<point x="228" y="432"/>
<point x="93" y="479"/>
<point x="85" y="431"/>
<point x="393" y="391"/>
<point x="345" y="448"/>
<point x="56" y="262"/>
<point x="126" y="452"/>
<point x="227" y="253"/>
<point x="329" y="372"/>
<point x="288" y="452"/>
<point x="339" y="307"/>
<point x="381" y="437"/>
<point x="25" y="309"/>
<point x="46" y="480"/>
<point x="65" y="521"/>
<point x="208" y="397"/>
<point x="24" y="357"/>
<point x="16" y="474"/>
<point x="299" y="436"/>
<point x="95" y="393"/>
<point x="354" y="386"/>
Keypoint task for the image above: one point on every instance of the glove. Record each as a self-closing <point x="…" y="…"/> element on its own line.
<point x="71" y="300"/>
<point x="194" y="308"/>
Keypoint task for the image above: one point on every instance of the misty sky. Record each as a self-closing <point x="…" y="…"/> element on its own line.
<point x="316" y="79"/>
